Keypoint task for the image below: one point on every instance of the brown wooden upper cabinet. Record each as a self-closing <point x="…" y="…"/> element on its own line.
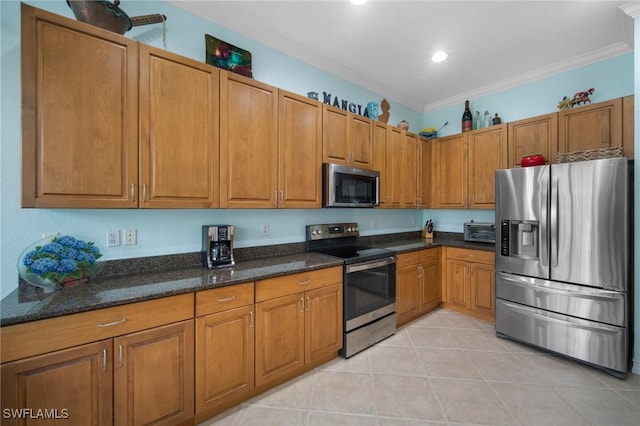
<point x="592" y="126"/>
<point x="346" y="138"/>
<point x="79" y="114"/>
<point x="531" y="136"/>
<point x="179" y="141"/>
<point x="464" y="167"/>
<point x="248" y="142"/>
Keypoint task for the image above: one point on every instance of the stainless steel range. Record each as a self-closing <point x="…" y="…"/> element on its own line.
<point x="369" y="277"/>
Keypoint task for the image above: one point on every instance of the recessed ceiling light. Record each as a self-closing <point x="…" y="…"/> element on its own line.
<point x="358" y="2"/>
<point x="439" y="56"/>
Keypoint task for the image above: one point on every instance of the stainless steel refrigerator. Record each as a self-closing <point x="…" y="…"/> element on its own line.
<point x="564" y="259"/>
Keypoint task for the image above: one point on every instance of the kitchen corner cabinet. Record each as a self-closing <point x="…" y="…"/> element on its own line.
<point x="425" y="173"/>
<point x="298" y="323"/>
<point x="248" y="142"/>
<point x="531" y="136"/>
<point x="104" y="364"/>
<point x="592" y="126"/>
<point x="465" y="165"/>
<point x="487" y="150"/>
<point x="417" y="284"/>
<point x="224" y="348"/>
<point x="450" y="172"/>
<point x="470" y="282"/>
<point x="346" y="138"/>
<point x="79" y="114"/>
<point x="179" y="142"/>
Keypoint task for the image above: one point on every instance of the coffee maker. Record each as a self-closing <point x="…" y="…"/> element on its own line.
<point x="217" y="246"/>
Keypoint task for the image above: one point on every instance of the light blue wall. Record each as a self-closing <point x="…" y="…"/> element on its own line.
<point x="168" y="231"/>
<point x="612" y="79"/>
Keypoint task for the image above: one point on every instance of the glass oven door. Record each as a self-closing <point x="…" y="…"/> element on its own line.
<point x="369" y="291"/>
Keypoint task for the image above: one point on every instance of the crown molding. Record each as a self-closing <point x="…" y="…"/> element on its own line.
<point x="602" y="54"/>
<point x="632" y="9"/>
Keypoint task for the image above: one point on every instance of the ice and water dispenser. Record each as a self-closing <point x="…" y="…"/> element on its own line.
<point x="520" y="238"/>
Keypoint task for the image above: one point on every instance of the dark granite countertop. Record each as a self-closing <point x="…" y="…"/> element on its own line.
<point x="29" y="303"/>
<point x="136" y="280"/>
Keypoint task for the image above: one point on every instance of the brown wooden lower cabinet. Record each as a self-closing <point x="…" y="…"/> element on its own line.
<point x="470" y="282"/>
<point x="417" y="284"/>
<point x="137" y="379"/>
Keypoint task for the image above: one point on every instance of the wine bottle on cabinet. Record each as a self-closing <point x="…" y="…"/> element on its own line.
<point x="467" y="118"/>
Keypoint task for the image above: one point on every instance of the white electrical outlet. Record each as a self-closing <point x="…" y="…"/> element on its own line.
<point x="265" y="229"/>
<point x="130" y="237"/>
<point x="113" y="238"/>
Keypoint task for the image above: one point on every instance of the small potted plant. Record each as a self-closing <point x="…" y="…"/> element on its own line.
<point x="59" y="261"/>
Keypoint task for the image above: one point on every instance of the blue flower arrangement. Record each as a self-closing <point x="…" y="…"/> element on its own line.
<point x="58" y="260"/>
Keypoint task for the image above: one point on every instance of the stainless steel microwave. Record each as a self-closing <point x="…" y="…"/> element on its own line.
<point x="347" y="186"/>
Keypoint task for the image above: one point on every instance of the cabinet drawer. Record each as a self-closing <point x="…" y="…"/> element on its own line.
<point x="224" y="298"/>
<point x="408" y="259"/>
<point x="38" y="337"/>
<point x="430" y="255"/>
<point x="295" y="283"/>
<point x="476" y="256"/>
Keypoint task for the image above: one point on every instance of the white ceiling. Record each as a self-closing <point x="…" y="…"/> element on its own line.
<point x="386" y="46"/>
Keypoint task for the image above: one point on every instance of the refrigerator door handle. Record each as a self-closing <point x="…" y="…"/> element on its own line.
<point x="559" y="288"/>
<point x="553" y="220"/>
<point x="543" y="237"/>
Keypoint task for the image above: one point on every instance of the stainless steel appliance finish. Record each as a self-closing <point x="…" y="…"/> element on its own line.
<point x="563" y="259"/>
<point x="480" y="232"/>
<point x="369" y="279"/>
<point x="347" y="186"/>
<point x="217" y="246"/>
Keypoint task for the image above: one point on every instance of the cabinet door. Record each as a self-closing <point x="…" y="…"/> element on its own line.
<point x="535" y="135"/>
<point x="299" y="152"/>
<point x="407" y="294"/>
<point x="450" y="180"/>
<point x="360" y="144"/>
<point x="179" y="142"/>
<point x="592" y="126"/>
<point x="323" y="322"/>
<point x="395" y="176"/>
<point x="279" y="338"/>
<point x="76" y="382"/>
<point x="335" y="135"/>
<point x="224" y="357"/>
<point x="483" y="298"/>
<point x="379" y="159"/>
<point x="425" y="173"/>
<point x="487" y="151"/>
<point x="430" y="288"/>
<point x="248" y="142"/>
<point x="410" y="170"/>
<point x="458" y="291"/>
<point x="153" y="376"/>
<point x="79" y="114"/>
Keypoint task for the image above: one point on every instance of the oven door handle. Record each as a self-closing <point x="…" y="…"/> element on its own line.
<point x="371" y="264"/>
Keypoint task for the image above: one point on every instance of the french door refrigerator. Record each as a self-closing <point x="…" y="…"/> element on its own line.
<point x="564" y="259"/>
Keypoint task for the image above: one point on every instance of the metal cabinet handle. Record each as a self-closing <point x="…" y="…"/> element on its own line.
<point x="104" y="360"/>
<point x="302" y="303"/>
<point x="305" y="282"/>
<point x="281" y="196"/>
<point x="133" y="192"/>
<point x="109" y="324"/>
<point x="227" y="299"/>
<point x="275" y="198"/>
<point x="144" y="192"/>
<point x="120" y="362"/>
<point x="308" y="304"/>
<point x="250" y="319"/>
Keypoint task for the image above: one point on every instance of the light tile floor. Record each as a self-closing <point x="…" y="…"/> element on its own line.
<point x="445" y="369"/>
